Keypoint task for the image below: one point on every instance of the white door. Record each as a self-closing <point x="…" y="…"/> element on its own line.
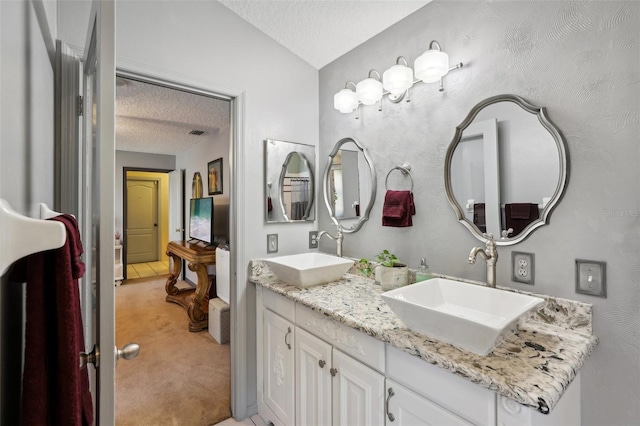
<point x="97" y="185"/>
<point x="408" y="408"/>
<point x="358" y="393"/>
<point x="141" y="237"/>
<point x="278" y="369"/>
<point x="313" y="380"/>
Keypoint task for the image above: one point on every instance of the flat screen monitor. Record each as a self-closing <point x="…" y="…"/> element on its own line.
<point x="201" y="219"/>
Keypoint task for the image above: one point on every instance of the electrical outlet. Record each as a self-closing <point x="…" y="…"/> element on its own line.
<point x="313" y="239"/>
<point x="591" y="277"/>
<point x="272" y="243"/>
<point x="522" y="267"/>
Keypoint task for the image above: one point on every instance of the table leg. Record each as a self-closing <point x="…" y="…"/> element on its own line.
<point x="170" y="286"/>
<point x="198" y="310"/>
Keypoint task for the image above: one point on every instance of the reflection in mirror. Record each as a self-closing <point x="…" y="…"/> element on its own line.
<point x="289" y="181"/>
<point x="505" y="169"/>
<point x="344" y="183"/>
<point x="349" y="185"/>
<point x="296" y="187"/>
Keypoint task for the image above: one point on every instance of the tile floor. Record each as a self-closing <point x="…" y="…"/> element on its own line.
<point x="150" y="269"/>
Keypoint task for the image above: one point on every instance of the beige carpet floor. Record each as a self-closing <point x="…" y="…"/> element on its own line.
<point x="179" y="377"/>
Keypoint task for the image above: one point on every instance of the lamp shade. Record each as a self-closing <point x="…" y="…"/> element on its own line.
<point x="397" y="79"/>
<point x="345" y="101"/>
<point x="369" y="91"/>
<point x="431" y="66"/>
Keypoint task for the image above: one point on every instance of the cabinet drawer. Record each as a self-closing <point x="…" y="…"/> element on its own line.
<point x="408" y="408"/>
<point x="279" y="304"/>
<point x="364" y="348"/>
<point x="456" y="394"/>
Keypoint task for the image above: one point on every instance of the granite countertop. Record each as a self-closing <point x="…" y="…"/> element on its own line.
<point x="532" y="367"/>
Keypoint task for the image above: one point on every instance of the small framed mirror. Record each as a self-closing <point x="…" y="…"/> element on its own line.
<point x="289" y="181"/>
<point x="505" y="169"/>
<point x="349" y="185"/>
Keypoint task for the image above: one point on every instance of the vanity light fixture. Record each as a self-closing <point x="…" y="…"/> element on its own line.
<point x="346" y="100"/>
<point x="399" y="78"/>
<point x="430" y="67"/>
<point x="369" y="90"/>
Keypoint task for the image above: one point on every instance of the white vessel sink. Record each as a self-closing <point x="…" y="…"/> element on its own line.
<point x="472" y="317"/>
<point x="308" y="269"/>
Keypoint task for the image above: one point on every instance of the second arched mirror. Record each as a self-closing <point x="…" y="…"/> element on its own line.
<point x="505" y="169"/>
<point x="349" y="185"/>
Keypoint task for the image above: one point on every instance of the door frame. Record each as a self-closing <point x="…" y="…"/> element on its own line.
<point x="241" y="308"/>
<point x="124" y="206"/>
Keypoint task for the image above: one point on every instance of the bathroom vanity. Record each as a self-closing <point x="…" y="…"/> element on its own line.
<point x="336" y="354"/>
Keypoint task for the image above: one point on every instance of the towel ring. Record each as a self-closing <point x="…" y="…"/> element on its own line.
<point x="405" y="169"/>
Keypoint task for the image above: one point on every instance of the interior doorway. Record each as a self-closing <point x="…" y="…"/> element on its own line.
<point x="167" y="131"/>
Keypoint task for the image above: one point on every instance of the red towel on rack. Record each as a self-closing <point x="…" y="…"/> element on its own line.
<point x="54" y="389"/>
<point x="398" y="208"/>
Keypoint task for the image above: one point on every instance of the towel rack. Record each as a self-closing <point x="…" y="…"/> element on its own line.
<point x="405" y="168"/>
<point x="22" y="235"/>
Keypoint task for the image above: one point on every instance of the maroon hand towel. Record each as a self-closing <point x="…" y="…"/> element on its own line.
<point x="519" y="216"/>
<point x="398" y="208"/>
<point x="521" y="210"/>
<point x="54" y="389"/>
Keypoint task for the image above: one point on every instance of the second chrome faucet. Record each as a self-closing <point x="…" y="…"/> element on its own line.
<point x="490" y="254"/>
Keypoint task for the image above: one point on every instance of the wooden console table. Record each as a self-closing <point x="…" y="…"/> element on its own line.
<point x="194" y="300"/>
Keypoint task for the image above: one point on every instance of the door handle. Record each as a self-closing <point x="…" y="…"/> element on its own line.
<point x="92" y="357"/>
<point x="386" y="405"/>
<point x="285" y="337"/>
<point x="128" y="351"/>
<point x="155" y="224"/>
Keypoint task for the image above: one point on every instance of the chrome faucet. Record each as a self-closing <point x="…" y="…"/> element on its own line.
<point x="490" y="254"/>
<point x="338" y="239"/>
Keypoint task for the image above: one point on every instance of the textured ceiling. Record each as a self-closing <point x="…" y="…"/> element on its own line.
<point x="320" y="31"/>
<point x="156" y="119"/>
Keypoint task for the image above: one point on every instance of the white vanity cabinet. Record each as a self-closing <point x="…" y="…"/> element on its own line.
<point x="278" y="343"/>
<point x="332" y="387"/>
<point x="321" y="381"/>
<point x="313" y="370"/>
<point x="313" y="380"/>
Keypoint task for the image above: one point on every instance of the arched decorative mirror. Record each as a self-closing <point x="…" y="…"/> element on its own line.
<point x="289" y="181"/>
<point x="506" y="169"/>
<point x="349" y="185"/>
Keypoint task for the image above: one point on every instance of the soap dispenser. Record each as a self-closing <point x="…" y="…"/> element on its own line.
<point x="423" y="272"/>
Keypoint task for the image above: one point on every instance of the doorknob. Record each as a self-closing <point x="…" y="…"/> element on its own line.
<point x="128" y="351"/>
<point x="92" y="357"/>
<point x="155" y="224"/>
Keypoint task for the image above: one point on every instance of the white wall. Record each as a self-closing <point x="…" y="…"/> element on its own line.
<point x="27" y="31"/>
<point x="196" y="159"/>
<point x="582" y="61"/>
<point x="204" y="41"/>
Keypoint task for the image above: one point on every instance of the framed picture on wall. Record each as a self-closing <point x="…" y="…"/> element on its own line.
<point x="215" y="177"/>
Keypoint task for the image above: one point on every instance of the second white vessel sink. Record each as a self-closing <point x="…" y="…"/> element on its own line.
<point x="308" y="269"/>
<point x="469" y="316"/>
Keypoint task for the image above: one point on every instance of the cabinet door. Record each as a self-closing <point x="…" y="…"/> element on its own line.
<point x="358" y="392"/>
<point x="408" y="408"/>
<point x="278" y="368"/>
<point x="313" y="380"/>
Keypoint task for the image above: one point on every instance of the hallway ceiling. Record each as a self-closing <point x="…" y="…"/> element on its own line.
<point x="320" y="31"/>
<point x="156" y="119"/>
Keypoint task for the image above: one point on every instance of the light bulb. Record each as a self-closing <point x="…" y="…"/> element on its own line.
<point x="369" y="91"/>
<point x="397" y="79"/>
<point x="431" y="66"/>
<point x="345" y="101"/>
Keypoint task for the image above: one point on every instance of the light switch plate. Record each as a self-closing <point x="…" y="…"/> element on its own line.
<point x="591" y="277"/>
<point x="272" y="243"/>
